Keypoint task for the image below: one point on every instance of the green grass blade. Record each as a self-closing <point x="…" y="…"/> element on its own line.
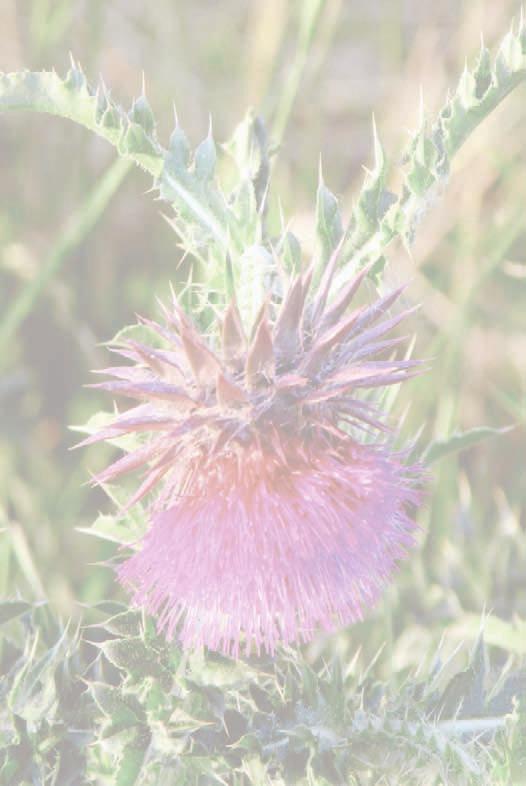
<point x="78" y="229"/>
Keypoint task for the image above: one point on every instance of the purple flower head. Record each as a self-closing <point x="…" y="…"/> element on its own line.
<point x="270" y="516"/>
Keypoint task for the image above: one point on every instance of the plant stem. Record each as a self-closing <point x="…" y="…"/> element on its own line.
<point x="75" y="233"/>
<point x="311" y="14"/>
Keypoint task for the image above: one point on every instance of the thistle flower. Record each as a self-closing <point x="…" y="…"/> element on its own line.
<point x="271" y="517"/>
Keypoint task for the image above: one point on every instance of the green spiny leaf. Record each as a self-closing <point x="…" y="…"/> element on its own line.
<point x="179" y="150"/>
<point x="141" y="113"/>
<point x="135" y="657"/>
<point x="124" y="710"/>
<point x="136" y="143"/>
<point x="132" y="759"/>
<point x="125" y="532"/>
<point x="372" y="201"/>
<point x="290" y="250"/>
<point x="461" y="441"/>
<point x="129" y="623"/>
<point x="249" y="149"/>
<point x="205" y="159"/>
<point x="328" y="220"/>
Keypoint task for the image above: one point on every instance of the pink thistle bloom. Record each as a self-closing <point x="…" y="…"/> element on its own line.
<point x="272" y="519"/>
<point x="274" y="550"/>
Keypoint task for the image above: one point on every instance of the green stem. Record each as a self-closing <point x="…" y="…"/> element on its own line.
<point x="80" y="226"/>
<point x="311" y="13"/>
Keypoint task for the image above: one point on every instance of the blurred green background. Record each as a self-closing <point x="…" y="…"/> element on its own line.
<point x="82" y="251"/>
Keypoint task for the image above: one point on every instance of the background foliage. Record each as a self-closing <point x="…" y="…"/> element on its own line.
<point x="315" y="71"/>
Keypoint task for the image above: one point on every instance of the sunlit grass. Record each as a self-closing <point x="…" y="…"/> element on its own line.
<point x="62" y="294"/>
